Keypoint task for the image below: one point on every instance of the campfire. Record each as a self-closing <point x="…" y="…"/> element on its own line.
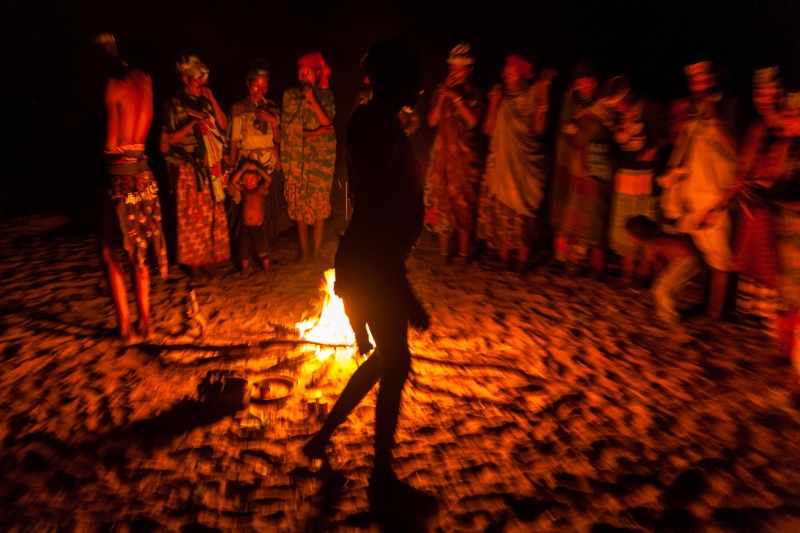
<point x="330" y="326"/>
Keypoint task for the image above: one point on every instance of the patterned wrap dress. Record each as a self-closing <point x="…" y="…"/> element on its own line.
<point x="451" y="194"/>
<point x="308" y="164"/>
<point x="196" y="169"/>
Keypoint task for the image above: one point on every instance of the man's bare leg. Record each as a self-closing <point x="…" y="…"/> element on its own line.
<point x="245" y="268"/>
<point x="119" y="293"/>
<point x="319" y="227"/>
<point x="141" y="283"/>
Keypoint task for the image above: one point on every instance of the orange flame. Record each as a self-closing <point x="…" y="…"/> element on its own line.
<point x="332" y="325"/>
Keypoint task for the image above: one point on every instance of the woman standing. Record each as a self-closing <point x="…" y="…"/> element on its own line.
<point x="308" y="149"/>
<point x="516" y="168"/>
<point x="583" y="172"/>
<point x="192" y="140"/>
<point x="636" y="133"/>
<point x="254" y="135"/>
<point x="450" y="190"/>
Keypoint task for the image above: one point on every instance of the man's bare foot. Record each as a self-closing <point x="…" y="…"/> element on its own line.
<point x="127" y="335"/>
<point x="315" y="448"/>
<point x="387" y="495"/>
<point x="144" y="330"/>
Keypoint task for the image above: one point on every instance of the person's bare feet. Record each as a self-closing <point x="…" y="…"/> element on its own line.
<point x="144" y="329"/>
<point x="127" y="335"/>
<point x="315" y="448"/>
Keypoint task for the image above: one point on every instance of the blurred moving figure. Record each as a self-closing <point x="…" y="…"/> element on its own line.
<point x="638" y="134"/>
<point x="131" y="194"/>
<point x="701" y="170"/>
<point x="386" y="185"/>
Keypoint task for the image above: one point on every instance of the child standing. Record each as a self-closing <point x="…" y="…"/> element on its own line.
<point x="248" y="187"/>
<point x="673" y="257"/>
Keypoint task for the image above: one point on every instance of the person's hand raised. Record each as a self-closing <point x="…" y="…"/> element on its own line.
<point x="206" y="92"/>
<point x="494" y="94"/>
<point x="308" y="92"/>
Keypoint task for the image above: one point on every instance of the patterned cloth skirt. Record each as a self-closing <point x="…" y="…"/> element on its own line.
<point x="579" y="207"/>
<point x="789" y="258"/>
<point x="202" y="225"/>
<point x="755" y="252"/>
<point x="304" y="206"/>
<point x="623" y="207"/>
<point x="501" y="226"/>
<point x="138" y="210"/>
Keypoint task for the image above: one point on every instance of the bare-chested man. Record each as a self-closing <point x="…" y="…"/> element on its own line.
<point x="130" y="208"/>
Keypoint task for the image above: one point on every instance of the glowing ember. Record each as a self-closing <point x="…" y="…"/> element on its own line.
<point x="331" y="326"/>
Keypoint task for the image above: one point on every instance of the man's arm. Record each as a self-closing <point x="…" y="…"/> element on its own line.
<point x="112" y="110"/>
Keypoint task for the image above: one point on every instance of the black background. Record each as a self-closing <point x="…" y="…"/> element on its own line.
<point x="53" y="102"/>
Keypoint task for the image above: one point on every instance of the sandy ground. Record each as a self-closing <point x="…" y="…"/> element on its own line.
<point x="545" y="402"/>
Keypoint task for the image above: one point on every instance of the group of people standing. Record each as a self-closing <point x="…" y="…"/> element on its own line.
<point x="617" y="157"/>
<point x="239" y="179"/>
<point x="291" y="149"/>
<point x="657" y="192"/>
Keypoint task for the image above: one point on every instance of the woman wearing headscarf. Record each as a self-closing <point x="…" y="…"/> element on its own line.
<point x="454" y="170"/>
<point x="192" y="140"/>
<point x="254" y="136"/>
<point x="583" y="172"/>
<point x="308" y="149"/>
<point x="516" y="167"/>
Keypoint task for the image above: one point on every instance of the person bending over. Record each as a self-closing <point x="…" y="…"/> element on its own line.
<point x="672" y="256"/>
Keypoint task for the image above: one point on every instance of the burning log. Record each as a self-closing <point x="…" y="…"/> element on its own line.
<point x="244" y="346"/>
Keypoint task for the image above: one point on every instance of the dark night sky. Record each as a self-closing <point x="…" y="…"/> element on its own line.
<point x="46" y="81"/>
